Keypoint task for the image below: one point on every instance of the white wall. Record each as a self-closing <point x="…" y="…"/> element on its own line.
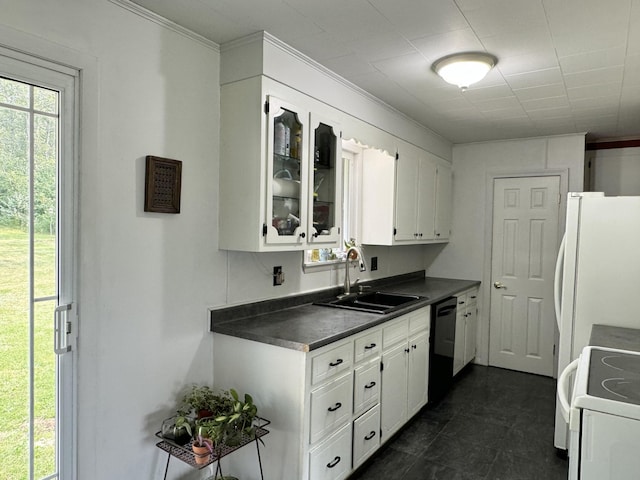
<point x="467" y="255"/>
<point x="145" y="280"/>
<point x="615" y="171"/>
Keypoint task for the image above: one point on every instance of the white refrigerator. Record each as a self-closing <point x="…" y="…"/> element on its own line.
<point x="597" y="275"/>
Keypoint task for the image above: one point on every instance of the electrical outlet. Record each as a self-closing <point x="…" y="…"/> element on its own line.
<point x="374" y="263"/>
<point x="278" y="276"/>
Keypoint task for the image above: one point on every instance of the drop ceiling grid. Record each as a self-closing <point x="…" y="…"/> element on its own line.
<point x="562" y="63"/>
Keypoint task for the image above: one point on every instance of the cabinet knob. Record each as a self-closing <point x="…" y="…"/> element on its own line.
<point x="414" y="346"/>
<point x="406" y="350"/>
<point x="302" y="235"/>
<point x="437" y="234"/>
<point x="315" y="235"/>
<point x="421" y="235"/>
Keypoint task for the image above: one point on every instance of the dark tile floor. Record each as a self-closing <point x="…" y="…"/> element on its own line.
<point x="494" y="424"/>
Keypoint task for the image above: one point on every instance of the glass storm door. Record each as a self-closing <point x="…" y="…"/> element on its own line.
<point x="36" y="245"/>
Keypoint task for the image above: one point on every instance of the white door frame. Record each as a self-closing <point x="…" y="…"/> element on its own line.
<point x="563" y="173"/>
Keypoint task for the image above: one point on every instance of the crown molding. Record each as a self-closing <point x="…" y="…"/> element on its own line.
<point x="168" y="24"/>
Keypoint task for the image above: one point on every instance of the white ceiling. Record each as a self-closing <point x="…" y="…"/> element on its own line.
<point x="564" y="66"/>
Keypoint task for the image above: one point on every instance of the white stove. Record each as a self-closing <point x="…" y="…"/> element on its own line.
<point x="604" y="414"/>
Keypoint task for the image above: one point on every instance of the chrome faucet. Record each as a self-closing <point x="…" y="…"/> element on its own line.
<point x="363" y="267"/>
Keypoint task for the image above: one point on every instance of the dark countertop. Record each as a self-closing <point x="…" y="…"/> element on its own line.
<point x="306" y="327"/>
<point x="615" y="337"/>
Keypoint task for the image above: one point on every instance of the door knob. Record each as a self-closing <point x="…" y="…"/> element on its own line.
<point x="499" y="285"/>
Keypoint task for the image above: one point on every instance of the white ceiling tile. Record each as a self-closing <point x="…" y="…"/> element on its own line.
<point x="529" y="62"/>
<point x="600" y="76"/>
<point x="549" y="76"/>
<point x="489" y="17"/>
<point x="544" y="91"/>
<point x="585" y="61"/>
<point x="555" y="112"/>
<point x="599" y="105"/>
<point x="412" y="18"/>
<point x="500" y="103"/>
<point x="434" y="47"/>
<point x="478" y="94"/>
<point x="349" y="65"/>
<point x="511" y="43"/>
<point x="380" y="47"/>
<point x="594" y="92"/>
<point x="545" y="103"/>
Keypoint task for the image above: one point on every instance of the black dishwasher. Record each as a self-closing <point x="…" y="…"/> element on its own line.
<point x="441" y="346"/>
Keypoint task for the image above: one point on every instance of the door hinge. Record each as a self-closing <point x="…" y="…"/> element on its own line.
<point x="266" y="107"/>
<point x="395" y="230"/>
<point x="397" y="155"/>
<point x="554" y="349"/>
<point x="381" y="366"/>
<point x="264" y="229"/>
<point x="338" y="229"/>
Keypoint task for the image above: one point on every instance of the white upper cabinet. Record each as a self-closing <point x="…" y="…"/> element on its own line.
<point x="280" y="174"/>
<point x="407" y="199"/>
<point x="444" y="200"/>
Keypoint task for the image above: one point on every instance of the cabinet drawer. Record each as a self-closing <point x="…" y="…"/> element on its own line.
<point x="419" y="321"/>
<point x="395" y="333"/>
<point x="366" y="435"/>
<point x="330" y="405"/>
<point x="368" y="346"/>
<point x="462" y="300"/>
<point x="331" y="460"/>
<point x="331" y="363"/>
<point x="472" y="297"/>
<point x="366" y="386"/>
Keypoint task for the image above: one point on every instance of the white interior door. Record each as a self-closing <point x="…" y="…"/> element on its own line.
<point x="37" y="309"/>
<point x="525" y="242"/>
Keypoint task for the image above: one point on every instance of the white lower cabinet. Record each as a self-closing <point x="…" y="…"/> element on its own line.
<point x="366" y="435"/>
<point x="331" y="408"/>
<point x="466" y="328"/>
<point x="405" y="370"/>
<point x="331" y="460"/>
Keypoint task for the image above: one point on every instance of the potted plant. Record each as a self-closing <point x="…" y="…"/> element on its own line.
<point x="204" y="402"/>
<point x="202" y="449"/>
<point x="178" y="428"/>
<point x="227" y="427"/>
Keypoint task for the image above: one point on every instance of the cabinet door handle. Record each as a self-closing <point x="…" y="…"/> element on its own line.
<point x="335" y="407"/>
<point x="370" y="385"/>
<point x="370" y="436"/>
<point x="336" y="363"/>
<point x="334" y="462"/>
<point x="370" y="346"/>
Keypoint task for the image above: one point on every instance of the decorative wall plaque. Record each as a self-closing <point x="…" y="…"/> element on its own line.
<point x="163" y="178"/>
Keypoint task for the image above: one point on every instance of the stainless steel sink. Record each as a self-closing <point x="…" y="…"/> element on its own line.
<point x="373" y="302"/>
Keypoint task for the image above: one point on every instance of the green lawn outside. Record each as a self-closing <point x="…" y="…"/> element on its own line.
<point x="14" y="355"/>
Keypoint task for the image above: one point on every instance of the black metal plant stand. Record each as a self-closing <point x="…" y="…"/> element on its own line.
<point x="186" y="454"/>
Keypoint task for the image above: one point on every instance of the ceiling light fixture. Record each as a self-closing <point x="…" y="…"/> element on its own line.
<point x="464" y="69"/>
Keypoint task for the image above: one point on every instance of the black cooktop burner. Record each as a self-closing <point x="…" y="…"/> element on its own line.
<point x="614" y="376"/>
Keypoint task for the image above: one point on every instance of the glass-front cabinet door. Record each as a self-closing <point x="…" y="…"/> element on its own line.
<point x="287" y="173"/>
<point x="325" y="181"/>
